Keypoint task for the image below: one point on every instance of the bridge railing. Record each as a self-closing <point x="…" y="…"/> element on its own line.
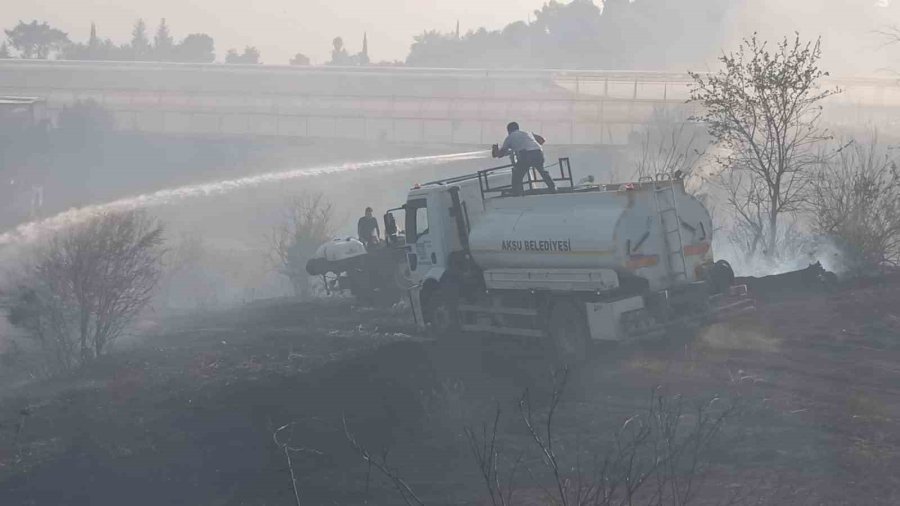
<point x="413" y="105"/>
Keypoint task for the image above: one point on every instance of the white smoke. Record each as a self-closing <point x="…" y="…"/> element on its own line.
<point x="808" y="251"/>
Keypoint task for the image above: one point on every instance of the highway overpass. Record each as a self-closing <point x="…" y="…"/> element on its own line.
<point x="453" y="106"/>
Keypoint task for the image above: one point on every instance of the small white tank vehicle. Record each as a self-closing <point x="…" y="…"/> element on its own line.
<point x="376" y="275"/>
<point x="336" y="254"/>
<point x="601" y="262"/>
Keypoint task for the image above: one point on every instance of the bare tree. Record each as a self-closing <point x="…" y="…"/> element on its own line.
<point x="543" y="437"/>
<point x="764" y="109"/>
<point x="186" y="284"/>
<point x="748" y="229"/>
<point x="658" y="456"/>
<point x="381" y="464"/>
<point x="285" y="445"/>
<point x="307" y="224"/>
<point x="856" y="200"/>
<point x="670" y="143"/>
<point x="666" y="156"/>
<point x="501" y="484"/>
<point x="88" y="283"/>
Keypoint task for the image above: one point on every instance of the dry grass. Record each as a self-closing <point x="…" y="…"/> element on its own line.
<point x="863" y="407"/>
<point x="737" y="337"/>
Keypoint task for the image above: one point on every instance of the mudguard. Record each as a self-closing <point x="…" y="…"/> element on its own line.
<point x="435" y="274"/>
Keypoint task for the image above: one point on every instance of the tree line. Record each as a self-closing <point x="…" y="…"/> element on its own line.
<point x="617" y="34"/>
<point x="39" y="40"/>
<point x="620" y="34"/>
<point x="595" y="34"/>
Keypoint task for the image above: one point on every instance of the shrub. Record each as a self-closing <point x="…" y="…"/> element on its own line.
<point x="85" y="117"/>
<point x="308" y="223"/>
<point x="856" y="201"/>
<point x="87" y="284"/>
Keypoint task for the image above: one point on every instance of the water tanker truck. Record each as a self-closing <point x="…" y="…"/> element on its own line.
<point x="587" y="262"/>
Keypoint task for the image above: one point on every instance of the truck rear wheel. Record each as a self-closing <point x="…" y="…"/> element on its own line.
<point x="568" y="332"/>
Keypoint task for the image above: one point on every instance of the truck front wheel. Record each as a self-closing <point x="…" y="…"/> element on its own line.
<point x="568" y="332"/>
<point x="442" y="311"/>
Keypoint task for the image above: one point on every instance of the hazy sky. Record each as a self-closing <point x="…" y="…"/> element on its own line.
<point x="279" y="28"/>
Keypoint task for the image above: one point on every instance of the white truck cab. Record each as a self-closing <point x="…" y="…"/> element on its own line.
<point x="427" y="232"/>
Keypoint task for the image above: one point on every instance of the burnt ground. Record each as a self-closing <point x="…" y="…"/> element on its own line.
<point x="187" y="415"/>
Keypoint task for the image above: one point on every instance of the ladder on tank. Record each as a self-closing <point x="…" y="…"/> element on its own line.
<point x="667" y="209"/>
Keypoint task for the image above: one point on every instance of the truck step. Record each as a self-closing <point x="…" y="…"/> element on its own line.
<point x="508" y="331"/>
<point x="467" y="308"/>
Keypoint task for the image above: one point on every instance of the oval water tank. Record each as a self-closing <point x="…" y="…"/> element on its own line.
<point x="620" y="230"/>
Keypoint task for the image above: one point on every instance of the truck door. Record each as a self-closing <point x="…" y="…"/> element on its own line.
<point x="418" y="237"/>
<point x="424" y="223"/>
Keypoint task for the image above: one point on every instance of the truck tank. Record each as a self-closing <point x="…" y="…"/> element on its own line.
<point x="623" y="228"/>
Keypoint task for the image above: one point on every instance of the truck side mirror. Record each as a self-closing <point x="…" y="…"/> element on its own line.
<point x="390" y="224"/>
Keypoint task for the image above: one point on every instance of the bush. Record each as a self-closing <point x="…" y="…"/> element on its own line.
<point x="85" y="118"/>
<point x="86" y="285"/>
<point x="856" y="201"/>
<point x="308" y="223"/>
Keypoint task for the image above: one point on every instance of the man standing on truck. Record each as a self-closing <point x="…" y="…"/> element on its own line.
<point x="367" y="228"/>
<point x="528" y="154"/>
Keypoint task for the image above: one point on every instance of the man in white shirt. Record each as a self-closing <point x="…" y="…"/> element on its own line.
<point x="528" y="154"/>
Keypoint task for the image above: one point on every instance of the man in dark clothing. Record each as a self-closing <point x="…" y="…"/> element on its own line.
<point x="528" y="154"/>
<point x="367" y="228"/>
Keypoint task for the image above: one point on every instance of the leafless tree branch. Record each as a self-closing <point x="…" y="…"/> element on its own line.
<point x="409" y="497"/>
<point x="487" y="453"/>
<point x="308" y="222"/>
<point x="545" y="441"/>
<point x="288" y="450"/>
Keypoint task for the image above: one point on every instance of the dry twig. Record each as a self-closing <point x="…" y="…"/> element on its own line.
<point x="288" y="450"/>
<point x="406" y="492"/>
